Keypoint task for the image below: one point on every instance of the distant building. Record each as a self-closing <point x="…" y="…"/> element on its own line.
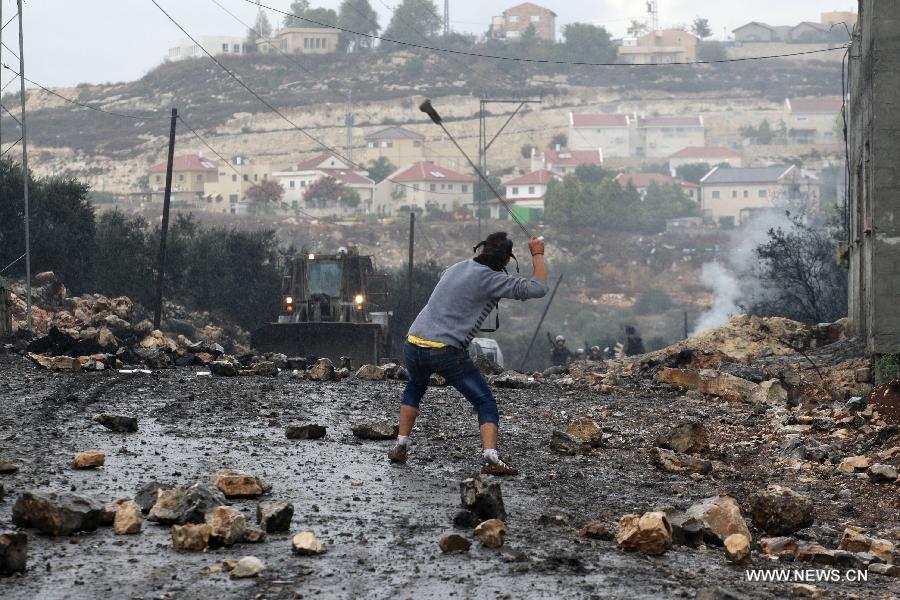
<point x="232" y="183"/>
<point x="217" y="45"/>
<point x="711" y="155"/>
<point x="300" y="40"/>
<point x="661" y="47"/>
<point x="525" y="195"/>
<point x="422" y="185"/>
<point x="514" y="21"/>
<point x="399" y="145"/>
<point x="812" y="120"/>
<point x="835" y="17"/>
<point x="643" y="181"/>
<point x="810" y="32"/>
<point x="297" y="179"/>
<point x="731" y="196"/>
<point x="609" y="132"/>
<point x="562" y="161"/>
<point x="661" y="137"/>
<point x="755" y="31"/>
<point x="191" y="173"/>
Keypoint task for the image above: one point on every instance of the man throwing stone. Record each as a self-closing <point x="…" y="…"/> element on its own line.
<point x="438" y="339"/>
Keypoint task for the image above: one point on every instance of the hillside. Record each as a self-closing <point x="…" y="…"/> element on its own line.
<point x="111" y="152"/>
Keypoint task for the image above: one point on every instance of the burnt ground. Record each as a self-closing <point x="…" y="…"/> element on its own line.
<point x="381" y="523"/>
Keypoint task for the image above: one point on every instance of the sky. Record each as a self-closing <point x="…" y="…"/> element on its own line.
<point x="98" y="41"/>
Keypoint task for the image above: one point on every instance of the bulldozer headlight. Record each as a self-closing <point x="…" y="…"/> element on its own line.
<point x="289" y="300"/>
<point x="312" y="256"/>
<point x="360" y="299"/>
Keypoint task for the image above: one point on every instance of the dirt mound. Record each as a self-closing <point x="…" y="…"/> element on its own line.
<point x="885" y="399"/>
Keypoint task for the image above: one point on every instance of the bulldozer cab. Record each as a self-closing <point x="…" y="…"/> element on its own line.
<point x="331" y="307"/>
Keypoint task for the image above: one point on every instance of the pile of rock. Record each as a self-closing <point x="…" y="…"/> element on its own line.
<point x="483" y="513"/>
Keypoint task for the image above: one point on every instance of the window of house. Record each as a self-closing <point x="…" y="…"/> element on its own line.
<point x="535" y="18"/>
<point x="417" y="144"/>
<point x="370" y="145"/>
<point x="746" y="193"/>
<point x="224" y="47"/>
<point x="306" y="42"/>
<point x="433" y="187"/>
<point x="763" y="193"/>
<point x="324" y="42"/>
<point x="199" y="178"/>
<point x="181" y="177"/>
<point x="415" y="187"/>
<point x="303" y="183"/>
<point x="450" y="186"/>
<point x="716" y="195"/>
<point x="292" y="184"/>
<point x="734" y="193"/>
<point x="513" y="19"/>
<point x="158" y="178"/>
<point x="531" y="189"/>
<point x="255" y="177"/>
<point x="236" y="48"/>
<point x="234" y="178"/>
<point x="233" y="198"/>
<point x="443" y="186"/>
<point x="465" y="187"/>
<point x="515" y="191"/>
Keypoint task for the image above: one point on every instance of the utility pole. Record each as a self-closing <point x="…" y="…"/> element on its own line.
<point x="484" y="145"/>
<point x="409" y="277"/>
<point x="349" y="121"/>
<point x="25" y="173"/>
<point x="541" y="322"/>
<point x="164" y="233"/>
<point x="446" y="17"/>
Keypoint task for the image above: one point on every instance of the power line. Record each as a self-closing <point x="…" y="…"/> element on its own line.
<point x="540" y="60"/>
<point x="205" y="143"/>
<point x="14" y="144"/>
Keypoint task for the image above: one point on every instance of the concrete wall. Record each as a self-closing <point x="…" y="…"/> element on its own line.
<point x="875" y="177"/>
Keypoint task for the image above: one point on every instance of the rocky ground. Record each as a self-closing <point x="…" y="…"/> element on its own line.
<point x="380" y="524"/>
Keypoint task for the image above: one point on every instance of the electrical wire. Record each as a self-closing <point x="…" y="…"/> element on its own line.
<point x="14" y="144"/>
<point x="540" y="60"/>
<point x="6" y="268"/>
<point x="205" y="143"/>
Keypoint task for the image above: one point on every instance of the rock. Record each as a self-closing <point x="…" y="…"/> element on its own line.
<point x="227" y="526"/>
<point x="273" y="515"/>
<point x="486" y="365"/>
<point x="484" y="499"/>
<point x="710" y="382"/>
<point x="679" y="463"/>
<point x="806" y="590"/>
<point x="179" y="505"/>
<point x="583" y="428"/>
<point x="117" y="423"/>
<point x="57" y="513"/>
<point x="882" y="473"/>
<point x="814" y="553"/>
<point x="466" y="519"/>
<point x="89" y="459"/>
<point x="720" y="517"/>
<point x="491" y="532"/>
<point x="780" y="510"/>
<point x="686" y="531"/>
<point x="778" y="547"/>
<point x="855" y="540"/>
<point x="649" y="533"/>
<point x="851" y="464"/>
<point x="737" y="549"/>
<point x="595" y="530"/>
<point x="770" y="393"/>
<point x="7" y="467"/>
<point x="453" y="543"/>
<point x="371" y="373"/>
<point x="193" y="536"/>
<point x="296" y="363"/>
<point x="436" y="380"/>
<point x="513" y="380"/>
<point x="56" y="363"/>
<point x="305" y="543"/>
<point x="129" y="518"/>
<point x="885" y="569"/>
<point x="566" y="443"/>
<point x="306" y="431"/>
<point x="223" y="368"/>
<point x="323" y="370"/>
<point x="375" y="430"/>
<point x="237" y="484"/>
<point x="253" y="535"/>
<point x="109" y="511"/>
<point x="686" y="438"/>
<point x="146" y="495"/>
<point x="265" y="368"/>
<point x="13" y="553"/>
<point x="247" y="566"/>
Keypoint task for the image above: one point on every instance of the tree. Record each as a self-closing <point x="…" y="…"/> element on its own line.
<point x="693" y="172"/>
<point x="267" y="191"/>
<point x="711" y="51"/>
<point x="587" y="43"/>
<point x="359" y="16"/>
<point x="765" y="135"/>
<point x="526" y="150"/>
<point x="414" y="67"/>
<point x="638" y="28"/>
<point x="330" y="193"/>
<point x="664" y="202"/>
<point x="298" y="8"/>
<point x="262" y="28"/>
<point x="560" y="139"/>
<point x="380" y="168"/>
<point x="412" y="20"/>
<point x="700" y="28"/>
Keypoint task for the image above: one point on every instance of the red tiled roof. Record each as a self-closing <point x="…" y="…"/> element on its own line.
<point x="643" y="180"/>
<point x="566" y="157"/>
<point x="599" y="120"/>
<point x="541" y="177"/>
<point x="346" y="176"/>
<point x="671" y="122"/>
<point x="706" y="152"/>
<point x="823" y="105"/>
<point x="313" y="163"/>
<point x="188" y="162"/>
<point x="426" y="171"/>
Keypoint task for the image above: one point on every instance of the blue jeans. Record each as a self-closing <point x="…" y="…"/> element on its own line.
<point x="457" y="368"/>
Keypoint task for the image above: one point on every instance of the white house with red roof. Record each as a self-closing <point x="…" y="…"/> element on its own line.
<point x="710" y="155"/>
<point x="423" y="184"/>
<point x="643" y="181"/>
<point x="297" y="178"/>
<point x="563" y="161"/>
<point x="661" y="137"/>
<point x="812" y="120"/>
<point x="610" y="132"/>
<point x="525" y="194"/>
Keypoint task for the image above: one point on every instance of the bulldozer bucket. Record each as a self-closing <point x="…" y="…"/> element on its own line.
<point x="360" y="341"/>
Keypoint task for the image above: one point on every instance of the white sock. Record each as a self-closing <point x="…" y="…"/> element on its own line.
<point x="403" y="440"/>
<point x="491" y="455"/>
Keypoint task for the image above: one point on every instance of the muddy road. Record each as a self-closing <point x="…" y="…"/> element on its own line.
<point x="380" y="523"/>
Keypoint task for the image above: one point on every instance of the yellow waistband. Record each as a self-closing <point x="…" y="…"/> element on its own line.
<point x="417" y="341"/>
